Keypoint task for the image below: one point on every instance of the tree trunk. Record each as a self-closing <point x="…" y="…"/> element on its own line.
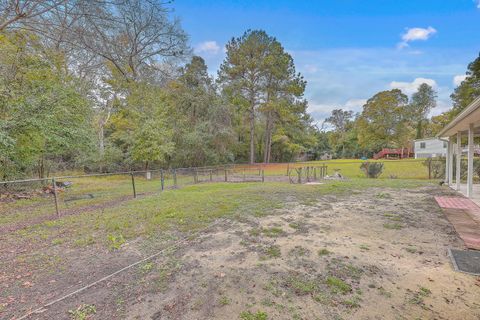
<point x="268" y="137"/>
<point x="252" y="135"/>
<point x="252" y="127"/>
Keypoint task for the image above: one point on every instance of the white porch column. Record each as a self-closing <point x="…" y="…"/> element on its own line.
<point x="459" y="159"/>
<point x="447" y="164"/>
<point x="450" y="160"/>
<point x="470" y="161"/>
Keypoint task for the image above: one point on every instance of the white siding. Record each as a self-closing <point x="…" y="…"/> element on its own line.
<point x="432" y="148"/>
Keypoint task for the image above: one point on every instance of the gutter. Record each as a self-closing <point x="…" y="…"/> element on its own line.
<point x="470" y="108"/>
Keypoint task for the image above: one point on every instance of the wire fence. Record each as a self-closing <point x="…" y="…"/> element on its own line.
<point x="73" y="194"/>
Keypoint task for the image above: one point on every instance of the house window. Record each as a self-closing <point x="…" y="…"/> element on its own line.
<point x="422" y="145"/>
<point x="444" y="144"/>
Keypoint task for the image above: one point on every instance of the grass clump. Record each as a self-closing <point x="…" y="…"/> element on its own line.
<point x="411" y="249"/>
<point x="418" y="296"/>
<point x="115" y="241"/>
<point x="324" y="252"/>
<point x="83" y="312"/>
<point x="393" y="226"/>
<point x="224" y="301"/>
<point x="272" y="252"/>
<point x="337" y="285"/>
<point x="302" y="286"/>
<point x="248" y="315"/>
<point x="299" y="251"/>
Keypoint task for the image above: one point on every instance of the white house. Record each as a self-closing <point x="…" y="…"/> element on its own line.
<point x="467" y="123"/>
<point x="430" y="148"/>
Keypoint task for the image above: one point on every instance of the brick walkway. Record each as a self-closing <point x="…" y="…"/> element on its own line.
<point x="464" y="215"/>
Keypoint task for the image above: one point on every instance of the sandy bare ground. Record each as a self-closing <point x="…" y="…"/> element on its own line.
<point x="376" y="254"/>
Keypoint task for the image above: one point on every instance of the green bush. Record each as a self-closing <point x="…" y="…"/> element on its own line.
<point x="372" y="169"/>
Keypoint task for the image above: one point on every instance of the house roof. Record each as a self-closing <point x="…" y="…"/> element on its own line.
<point x="471" y="114"/>
<point x="427" y="139"/>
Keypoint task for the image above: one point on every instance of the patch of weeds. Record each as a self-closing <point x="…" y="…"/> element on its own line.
<point x="364" y="247"/>
<point x="147" y="267"/>
<point x="302" y="286"/>
<point x="337" y="285"/>
<point x="84" y="242"/>
<point x="384" y="292"/>
<point x="267" y="302"/>
<point x="383" y="195"/>
<point x="418" y="296"/>
<point x="272" y="252"/>
<point x="269" y="232"/>
<point x="295" y="225"/>
<point x="255" y="232"/>
<point x="393" y="226"/>
<point x="83" y="312"/>
<point x="272" y="286"/>
<point x="340" y="269"/>
<point x="299" y="251"/>
<point x="115" y="241"/>
<point x="248" y="315"/>
<point x="411" y="249"/>
<point x="322" y="298"/>
<point x="57" y="241"/>
<point x="224" y="301"/>
<point x="166" y="272"/>
<point x="353" y="302"/>
<point x="393" y="217"/>
<point x="324" y="252"/>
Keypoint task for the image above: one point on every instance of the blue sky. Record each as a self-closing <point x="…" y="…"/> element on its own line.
<point x="349" y="49"/>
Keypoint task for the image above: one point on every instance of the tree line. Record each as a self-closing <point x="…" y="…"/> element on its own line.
<point x="390" y="119"/>
<point x="111" y="85"/>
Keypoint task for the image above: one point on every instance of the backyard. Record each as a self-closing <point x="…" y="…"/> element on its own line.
<point x="358" y="248"/>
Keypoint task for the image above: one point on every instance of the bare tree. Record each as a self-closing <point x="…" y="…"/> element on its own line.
<point x="135" y="36"/>
<point x="19" y="11"/>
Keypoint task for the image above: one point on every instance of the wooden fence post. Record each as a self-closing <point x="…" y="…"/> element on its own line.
<point x="55" y="196"/>
<point x="133" y="185"/>
<point x="162" y="179"/>
<point x="226" y="174"/>
<point x="263" y="175"/>
<point x="211" y="175"/>
<point x="175" y="178"/>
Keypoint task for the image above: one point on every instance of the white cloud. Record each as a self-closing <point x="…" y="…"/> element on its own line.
<point x="457" y="80"/>
<point x="478" y="3"/>
<point x="411" y="87"/>
<point x="210" y="47"/>
<point x="416" y="34"/>
<point x="310" y="68"/>
<point x="355" y="104"/>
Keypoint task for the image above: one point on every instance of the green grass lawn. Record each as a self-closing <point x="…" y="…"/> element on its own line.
<point x="350" y="168"/>
<point x="190" y="208"/>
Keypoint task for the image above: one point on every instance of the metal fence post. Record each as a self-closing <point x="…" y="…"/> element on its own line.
<point x="55" y="196"/>
<point x="430" y="169"/>
<point x="133" y="185"/>
<point x="175" y="177"/>
<point x="162" y="179"/>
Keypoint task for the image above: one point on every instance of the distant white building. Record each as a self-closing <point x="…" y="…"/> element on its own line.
<point x="430" y="148"/>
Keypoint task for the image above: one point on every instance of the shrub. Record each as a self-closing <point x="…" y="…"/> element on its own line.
<point x="372" y="169"/>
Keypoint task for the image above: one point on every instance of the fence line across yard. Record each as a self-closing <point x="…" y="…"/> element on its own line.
<point x="71" y="194"/>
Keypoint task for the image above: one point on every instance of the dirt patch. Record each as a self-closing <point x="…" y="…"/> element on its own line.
<point x="375" y="254"/>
